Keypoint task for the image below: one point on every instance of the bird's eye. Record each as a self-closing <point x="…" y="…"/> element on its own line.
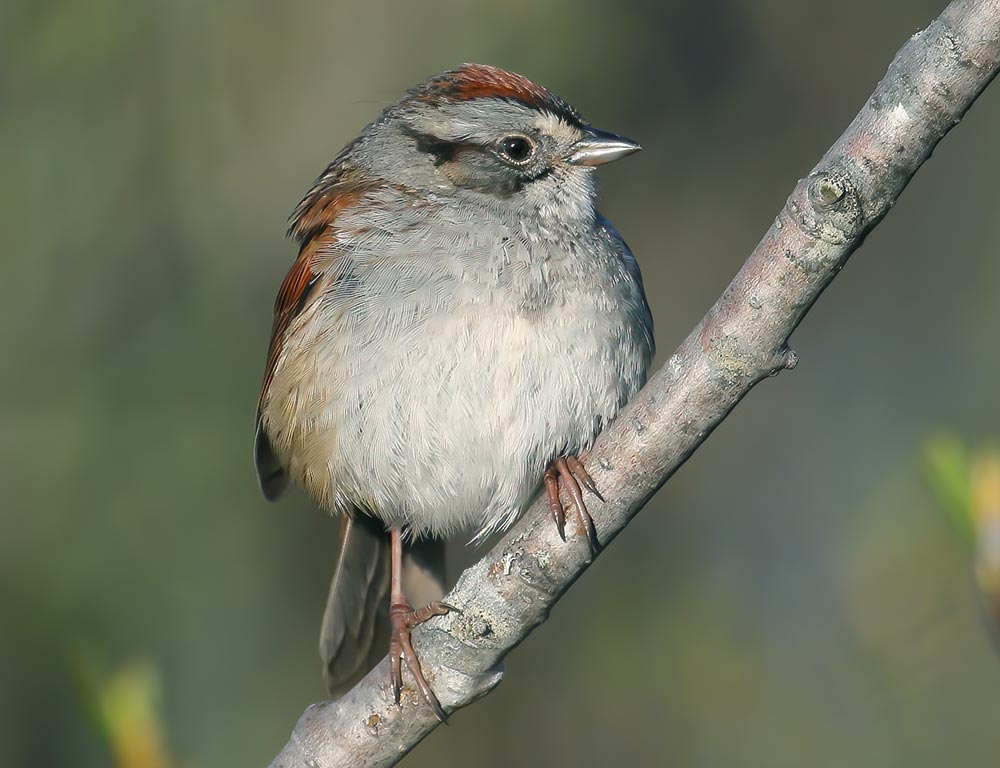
<point x="517" y="149"/>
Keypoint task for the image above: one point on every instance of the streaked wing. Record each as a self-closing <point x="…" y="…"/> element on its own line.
<point x="314" y="226"/>
<point x="301" y="285"/>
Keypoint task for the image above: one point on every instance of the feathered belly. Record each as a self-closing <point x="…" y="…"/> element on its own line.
<point x="450" y="427"/>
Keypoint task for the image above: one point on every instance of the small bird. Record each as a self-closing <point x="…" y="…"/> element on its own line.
<point x="459" y="325"/>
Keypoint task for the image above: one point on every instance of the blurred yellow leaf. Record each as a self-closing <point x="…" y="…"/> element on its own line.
<point x="985" y="507"/>
<point x="125" y="707"/>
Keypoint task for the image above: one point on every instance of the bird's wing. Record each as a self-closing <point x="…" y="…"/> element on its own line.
<point x="631" y="268"/>
<point x="301" y="286"/>
<point x="314" y="225"/>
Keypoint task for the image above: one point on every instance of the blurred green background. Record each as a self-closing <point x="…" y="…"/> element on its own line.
<point x="793" y="597"/>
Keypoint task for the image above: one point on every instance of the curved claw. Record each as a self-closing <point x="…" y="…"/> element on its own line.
<point x="396" y="670"/>
<point x="581" y="473"/>
<point x="403" y="619"/>
<point x="555" y="505"/>
<point x="569" y="479"/>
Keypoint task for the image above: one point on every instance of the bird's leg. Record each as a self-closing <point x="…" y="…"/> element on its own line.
<point x="402" y="618"/>
<point x="568" y="472"/>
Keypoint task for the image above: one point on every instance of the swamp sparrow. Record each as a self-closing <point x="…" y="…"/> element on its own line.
<point x="459" y="324"/>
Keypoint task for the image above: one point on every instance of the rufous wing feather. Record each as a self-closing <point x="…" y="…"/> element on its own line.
<point x="297" y="290"/>
<point x="314" y="226"/>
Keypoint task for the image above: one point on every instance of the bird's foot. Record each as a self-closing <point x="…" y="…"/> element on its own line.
<point x="569" y="473"/>
<point x="402" y="619"/>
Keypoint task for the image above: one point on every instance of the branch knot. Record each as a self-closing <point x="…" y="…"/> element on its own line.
<point x="830" y="210"/>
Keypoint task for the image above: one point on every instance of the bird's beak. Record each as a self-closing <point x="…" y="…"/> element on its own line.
<point x="600" y="147"/>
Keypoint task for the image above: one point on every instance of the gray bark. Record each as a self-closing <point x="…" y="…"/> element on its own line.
<point x="742" y="340"/>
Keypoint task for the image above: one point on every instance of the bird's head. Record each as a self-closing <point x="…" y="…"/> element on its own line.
<point x="482" y="133"/>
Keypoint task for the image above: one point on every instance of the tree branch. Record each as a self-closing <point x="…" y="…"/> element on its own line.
<point x="933" y="80"/>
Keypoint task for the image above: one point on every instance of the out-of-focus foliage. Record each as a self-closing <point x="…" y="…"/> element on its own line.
<point x="949" y="473"/>
<point x="985" y="483"/>
<point x="793" y="597"/>
<point x="968" y="487"/>
<point x="124" y="708"/>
